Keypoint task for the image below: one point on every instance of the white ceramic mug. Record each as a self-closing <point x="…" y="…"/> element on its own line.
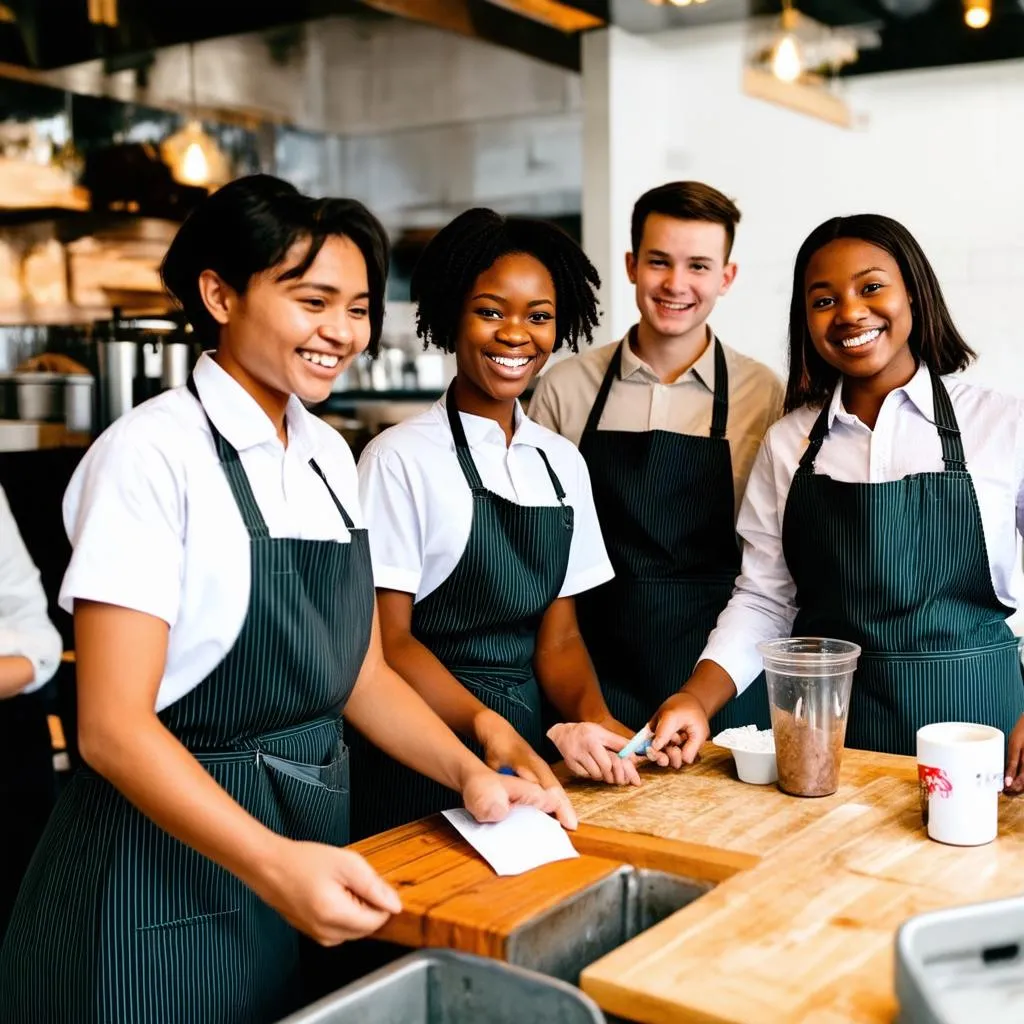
<point x="960" y="771"/>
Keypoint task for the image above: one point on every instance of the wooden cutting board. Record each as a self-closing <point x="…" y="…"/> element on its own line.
<point x="807" y="935"/>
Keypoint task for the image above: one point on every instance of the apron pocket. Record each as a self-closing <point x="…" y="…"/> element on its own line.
<point x="313" y="800"/>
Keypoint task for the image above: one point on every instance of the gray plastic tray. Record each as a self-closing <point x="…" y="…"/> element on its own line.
<point x="438" y="986"/>
<point x="964" y="965"/>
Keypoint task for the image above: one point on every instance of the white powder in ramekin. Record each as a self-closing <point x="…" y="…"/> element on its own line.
<point x="746" y="737"/>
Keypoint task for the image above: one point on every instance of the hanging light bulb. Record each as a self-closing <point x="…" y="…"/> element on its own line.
<point x="787" y="62"/>
<point x="193" y="156"/>
<point x="977" y="13"/>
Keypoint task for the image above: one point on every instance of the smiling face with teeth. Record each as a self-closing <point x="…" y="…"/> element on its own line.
<point x="293" y="335"/>
<point x="859" y="313"/>
<point x="505" y="335"/>
<point x="679" y="271"/>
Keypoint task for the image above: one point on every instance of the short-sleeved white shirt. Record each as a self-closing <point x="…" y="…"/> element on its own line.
<point x="154" y="526"/>
<point x="419" y="508"/>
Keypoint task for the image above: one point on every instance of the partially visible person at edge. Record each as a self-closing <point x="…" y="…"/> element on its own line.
<point x="485" y="533"/>
<point x="30" y="649"/>
<point x="224" y="618"/>
<point x="669" y="420"/>
<point x="885" y="509"/>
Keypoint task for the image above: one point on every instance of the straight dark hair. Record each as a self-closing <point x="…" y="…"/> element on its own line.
<point x="686" y="200"/>
<point x="934" y="339"/>
<point x="249" y="226"/>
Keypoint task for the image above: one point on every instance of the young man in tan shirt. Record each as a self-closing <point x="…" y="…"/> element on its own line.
<point x="669" y="421"/>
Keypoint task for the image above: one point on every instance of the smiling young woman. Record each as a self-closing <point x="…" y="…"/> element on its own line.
<point x="224" y="619"/>
<point x="885" y="508"/>
<point x="484" y="524"/>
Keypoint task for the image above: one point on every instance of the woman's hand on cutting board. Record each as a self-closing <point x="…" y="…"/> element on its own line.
<point x="591" y="751"/>
<point x="489" y="796"/>
<point x="1014" y="781"/>
<point x="680" y="728"/>
<point x="331" y="895"/>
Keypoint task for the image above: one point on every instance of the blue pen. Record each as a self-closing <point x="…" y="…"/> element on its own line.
<point x="638" y="744"/>
<point x="505" y="770"/>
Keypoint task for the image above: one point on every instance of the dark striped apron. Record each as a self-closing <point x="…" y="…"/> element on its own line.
<point x="481" y="623"/>
<point x="901" y="568"/>
<point x="666" y="503"/>
<point x="118" y="922"/>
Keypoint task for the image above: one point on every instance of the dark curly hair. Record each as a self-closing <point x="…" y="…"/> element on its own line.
<point x="460" y="252"/>
<point x="249" y="226"/>
<point x="934" y="339"/>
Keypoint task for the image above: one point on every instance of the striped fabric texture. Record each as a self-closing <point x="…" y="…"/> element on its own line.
<point x="481" y="623"/>
<point x="666" y="503"/>
<point x="119" y="922"/>
<point x="901" y="568"/>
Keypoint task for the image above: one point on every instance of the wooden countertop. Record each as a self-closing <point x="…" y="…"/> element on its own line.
<point x="804" y="932"/>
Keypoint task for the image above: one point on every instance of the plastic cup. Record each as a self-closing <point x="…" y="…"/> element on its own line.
<point x="809" y="681"/>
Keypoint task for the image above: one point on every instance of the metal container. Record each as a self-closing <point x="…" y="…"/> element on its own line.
<point x="439" y="986"/>
<point x="118" y="361"/>
<point x="599" y="919"/>
<point x="964" y="965"/>
<point x="78" y="402"/>
<point x="177" y="362"/>
<point x="39" y="396"/>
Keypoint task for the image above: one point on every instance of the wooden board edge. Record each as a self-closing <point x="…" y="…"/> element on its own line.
<point x="673" y="856"/>
<point x="639" y="1006"/>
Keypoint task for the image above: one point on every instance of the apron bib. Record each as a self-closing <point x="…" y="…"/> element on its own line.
<point x="901" y="568"/>
<point x="666" y="503"/>
<point x="481" y="623"/>
<point x="119" y="921"/>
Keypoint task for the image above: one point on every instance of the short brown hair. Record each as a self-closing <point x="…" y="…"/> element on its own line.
<point x="686" y="200"/>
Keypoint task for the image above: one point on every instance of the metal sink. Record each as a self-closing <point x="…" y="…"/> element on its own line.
<point x="582" y="929"/>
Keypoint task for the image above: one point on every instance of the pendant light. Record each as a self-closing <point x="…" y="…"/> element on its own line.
<point x="193" y="156"/>
<point x="977" y="13"/>
<point x="787" y="61"/>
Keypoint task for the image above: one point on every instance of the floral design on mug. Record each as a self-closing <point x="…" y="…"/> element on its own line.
<point x="932" y="781"/>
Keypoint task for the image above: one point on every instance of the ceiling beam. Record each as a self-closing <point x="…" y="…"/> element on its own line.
<point x="501" y="22"/>
<point x="553" y="13"/>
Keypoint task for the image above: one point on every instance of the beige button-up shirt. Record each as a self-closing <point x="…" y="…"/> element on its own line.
<point x="640" y="401"/>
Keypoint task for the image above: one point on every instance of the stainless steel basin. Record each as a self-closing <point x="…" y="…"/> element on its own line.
<point x="438" y="986"/>
<point x="572" y="935"/>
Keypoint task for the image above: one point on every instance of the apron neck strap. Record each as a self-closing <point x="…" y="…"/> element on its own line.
<point x="469" y="470"/>
<point x="614" y="368"/>
<point x="949" y="429"/>
<point x="720" y="415"/>
<point x="720" y="406"/>
<point x="946" y="425"/>
<point x="238" y="481"/>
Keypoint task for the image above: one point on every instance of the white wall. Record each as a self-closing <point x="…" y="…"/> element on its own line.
<point x="941" y="150"/>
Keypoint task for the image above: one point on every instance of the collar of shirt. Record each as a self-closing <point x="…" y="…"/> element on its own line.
<point x="918" y="389"/>
<point x="702" y="371"/>
<point x="239" y="418"/>
<point x="481" y="430"/>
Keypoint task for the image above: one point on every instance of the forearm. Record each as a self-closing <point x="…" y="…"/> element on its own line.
<point x="393" y="716"/>
<point x="16" y="673"/>
<point x="156" y="773"/>
<point x="566" y="675"/>
<point x="441" y="691"/>
<point x="711" y="686"/>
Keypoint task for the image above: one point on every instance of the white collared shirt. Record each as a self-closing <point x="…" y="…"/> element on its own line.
<point x="419" y="507"/>
<point x="154" y="526"/>
<point x="638" y="400"/>
<point x="25" y="627"/>
<point x="903" y="442"/>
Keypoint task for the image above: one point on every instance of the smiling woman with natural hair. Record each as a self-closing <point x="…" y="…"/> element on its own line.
<point x="886" y="509"/>
<point x="484" y="527"/>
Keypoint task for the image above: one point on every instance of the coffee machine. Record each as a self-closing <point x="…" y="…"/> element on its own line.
<point x="137" y="358"/>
